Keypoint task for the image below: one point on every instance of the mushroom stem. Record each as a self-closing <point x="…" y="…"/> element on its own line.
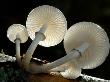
<point x="71" y="55"/>
<point x="17" y="42"/>
<point x="83" y="47"/>
<point x="39" y="37"/>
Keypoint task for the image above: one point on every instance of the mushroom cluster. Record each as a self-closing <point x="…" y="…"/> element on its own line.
<point x="86" y="43"/>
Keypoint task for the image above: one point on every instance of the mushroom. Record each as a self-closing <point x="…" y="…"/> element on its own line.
<point x="93" y="39"/>
<point x="46" y="26"/>
<point x="71" y="72"/>
<point x="53" y="18"/>
<point x="95" y="36"/>
<point x="17" y="34"/>
<point x="67" y="70"/>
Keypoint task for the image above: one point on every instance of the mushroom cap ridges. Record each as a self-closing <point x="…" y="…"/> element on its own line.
<point x="53" y="18"/>
<point x="94" y="35"/>
<point x="17" y="29"/>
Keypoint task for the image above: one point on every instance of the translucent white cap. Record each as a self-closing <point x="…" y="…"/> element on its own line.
<point x="98" y="41"/>
<point x="17" y="30"/>
<point x="53" y="18"/>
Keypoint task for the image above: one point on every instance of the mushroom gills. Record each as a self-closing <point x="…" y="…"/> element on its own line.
<point x="53" y="18"/>
<point x="97" y="39"/>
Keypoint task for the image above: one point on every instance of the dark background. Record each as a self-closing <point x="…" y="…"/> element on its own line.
<point x="16" y="11"/>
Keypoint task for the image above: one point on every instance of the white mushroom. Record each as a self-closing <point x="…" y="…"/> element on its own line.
<point x="17" y="33"/>
<point x="67" y="70"/>
<point x="95" y="36"/>
<point x="53" y="18"/>
<point x="94" y="50"/>
<point x="46" y="26"/>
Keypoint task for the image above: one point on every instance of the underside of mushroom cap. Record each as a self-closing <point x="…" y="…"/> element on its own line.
<point x="53" y="18"/>
<point x="17" y="29"/>
<point x="93" y="34"/>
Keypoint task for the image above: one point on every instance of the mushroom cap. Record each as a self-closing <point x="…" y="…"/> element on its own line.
<point x="93" y="34"/>
<point x="53" y="18"/>
<point x="68" y="70"/>
<point x="17" y="29"/>
<point x="72" y="72"/>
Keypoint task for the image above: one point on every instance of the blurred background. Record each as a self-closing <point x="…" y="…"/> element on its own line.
<point x="16" y="12"/>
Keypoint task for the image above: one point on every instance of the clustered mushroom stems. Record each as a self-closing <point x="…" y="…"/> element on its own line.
<point x="39" y="36"/>
<point x="72" y="55"/>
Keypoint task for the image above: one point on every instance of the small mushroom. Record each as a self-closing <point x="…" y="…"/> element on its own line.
<point x="95" y="36"/>
<point x="67" y="70"/>
<point x="17" y="33"/>
<point x="46" y="26"/>
<point x="71" y="72"/>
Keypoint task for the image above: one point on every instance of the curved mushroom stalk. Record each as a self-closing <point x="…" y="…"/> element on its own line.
<point x="33" y="68"/>
<point x="71" y="55"/>
<point x="39" y="37"/>
<point x="68" y="70"/>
